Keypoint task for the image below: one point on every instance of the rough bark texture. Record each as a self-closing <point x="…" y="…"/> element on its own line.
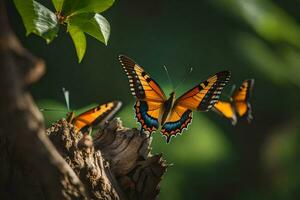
<point x="128" y="152"/>
<point x="118" y="166"/>
<point x="25" y="150"/>
<point x="88" y="164"/>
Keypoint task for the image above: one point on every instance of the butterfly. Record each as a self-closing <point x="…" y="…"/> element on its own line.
<point x="94" y="117"/>
<point x="238" y="105"/>
<point x="154" y="109"/>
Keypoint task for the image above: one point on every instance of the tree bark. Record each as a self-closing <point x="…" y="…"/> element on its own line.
<point x="117" y="164"/>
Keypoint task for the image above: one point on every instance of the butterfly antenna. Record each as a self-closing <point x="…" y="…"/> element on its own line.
<point x="49" y="109"/>
<point x="168" y="75"/>
<point x="185" y="77"/>
<point x="66" y="95"/>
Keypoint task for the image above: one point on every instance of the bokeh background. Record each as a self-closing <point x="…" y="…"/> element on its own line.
<point x="257" y="39"/>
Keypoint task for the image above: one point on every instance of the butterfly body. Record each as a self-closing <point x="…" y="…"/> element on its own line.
<point x="167" y="108"/>
<point x="238" y="105"/>
<point x="153" y="109"/>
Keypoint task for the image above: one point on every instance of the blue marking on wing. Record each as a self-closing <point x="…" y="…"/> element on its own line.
<point x="148" y="120"/>
<point x="171" y="126"/>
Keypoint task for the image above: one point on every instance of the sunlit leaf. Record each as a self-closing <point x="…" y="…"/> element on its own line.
<point x="73" y="7"/>
<point x="79" y="41"/>
<point x="95" y="25"/>
<point x="58" y="4"/>
<point x="99" y="28"/>
<point x="38" y="19"/>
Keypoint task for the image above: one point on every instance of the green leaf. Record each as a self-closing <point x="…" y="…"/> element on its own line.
<point x="79" y="41"/>
<point x="95" y="25"/>
<point x="73" y="7"/>
<point x="38" y="19"/>
<point x="58" y="4"/>
<point x="99" y="29"/>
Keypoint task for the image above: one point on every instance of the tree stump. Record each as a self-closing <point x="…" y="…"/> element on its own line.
<point x="116" y="164"/>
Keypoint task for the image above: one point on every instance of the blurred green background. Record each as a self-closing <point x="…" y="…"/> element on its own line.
<point x="257" y="39"/>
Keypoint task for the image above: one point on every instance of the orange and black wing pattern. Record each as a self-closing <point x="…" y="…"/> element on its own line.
<point x="147" y="113"/>
<point x="149" y="94"/>
<point x="201" y="98"/>
<point x="141" y="84"/>
<point x="226" y="110"/>
<point x="179" y="119"/>
<point x="241" y="97"/>
<point x="96" y="116"/>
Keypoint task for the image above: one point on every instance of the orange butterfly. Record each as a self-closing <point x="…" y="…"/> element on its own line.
<point x="154" y="109"/>
<point x="238" y="104"/>
<point x="94" y="117"/>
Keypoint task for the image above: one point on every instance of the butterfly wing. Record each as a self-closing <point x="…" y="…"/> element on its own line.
<point x="225" y="109"/>
<point x="202" y="97"/>
<point x="179" y="119"/>
<point x="141" y="85"/>
<point x="96" y="116"/>
<point x="147" y="114"/>
<point x="149" y="94"/>
<point x="241" y="99"/>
